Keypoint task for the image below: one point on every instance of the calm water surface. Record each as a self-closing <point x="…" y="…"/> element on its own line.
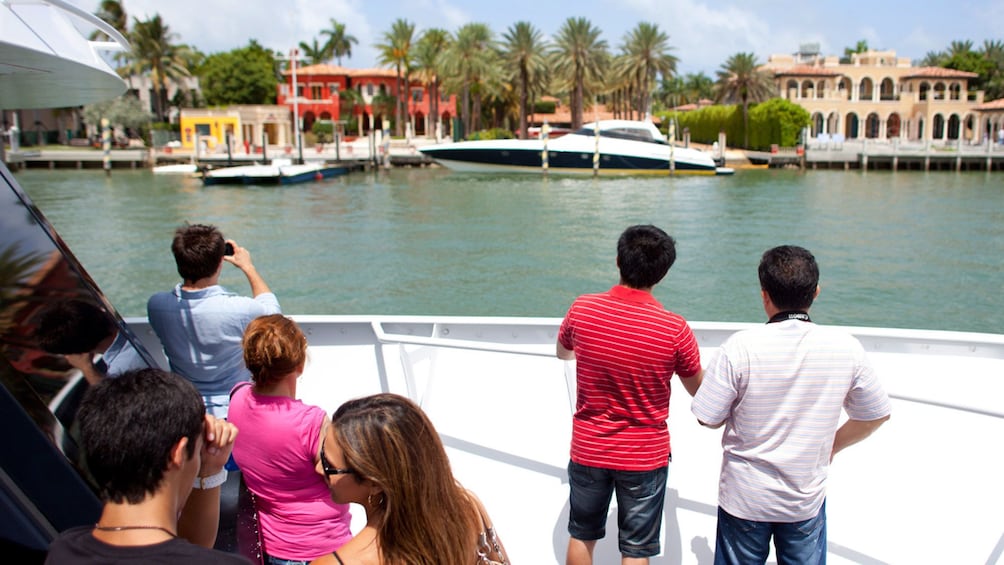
<point x="903" y="249"/>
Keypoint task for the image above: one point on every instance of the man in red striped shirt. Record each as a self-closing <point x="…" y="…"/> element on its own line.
<point x="626" y="347"/>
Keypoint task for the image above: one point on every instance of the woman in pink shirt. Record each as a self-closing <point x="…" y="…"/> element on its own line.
<point x="279" y="446"/>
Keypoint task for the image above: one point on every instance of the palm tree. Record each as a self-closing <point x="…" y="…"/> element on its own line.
<point x="428" y="61"/>
<point x="524" y="52"/>
<point x="740" y="80"/>
<point x="397" y="51"/>
<point x="154" y="52"/>
<point x="467" y="62"/>
<point x="860" y="47"/>
<point x="645" y="55"/>
<point x="113" y="12"/>
<point x="314" y="53"/>
<point x="578" y="58"/>
<point x="339" y="43"/>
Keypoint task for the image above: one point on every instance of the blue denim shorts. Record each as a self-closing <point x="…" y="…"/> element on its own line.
<point x="641" y="496"/>
<point x="745" y="541"/>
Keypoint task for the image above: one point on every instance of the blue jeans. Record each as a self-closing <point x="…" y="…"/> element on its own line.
<point x="742" y="542"/>
<point x="641" y="496"/>
<point x="269" y="560"/>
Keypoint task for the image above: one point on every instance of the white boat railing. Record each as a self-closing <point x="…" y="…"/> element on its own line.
<point x="536" y="337"/>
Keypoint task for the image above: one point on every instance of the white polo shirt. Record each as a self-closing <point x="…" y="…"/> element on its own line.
<point x="779" y="388"/>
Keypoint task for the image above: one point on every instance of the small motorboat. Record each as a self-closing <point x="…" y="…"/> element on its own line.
<point x="280" y="171"/>
<point x="606" y="147"/>
<point x="176" y="169"/>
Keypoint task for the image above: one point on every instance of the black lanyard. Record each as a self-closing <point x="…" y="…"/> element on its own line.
<point x="789" y="315"/>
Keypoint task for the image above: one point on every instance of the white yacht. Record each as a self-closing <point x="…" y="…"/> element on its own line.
<point x="605" y="147"/>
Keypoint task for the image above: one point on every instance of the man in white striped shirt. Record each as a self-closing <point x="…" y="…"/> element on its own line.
<point x="779" y="390"/>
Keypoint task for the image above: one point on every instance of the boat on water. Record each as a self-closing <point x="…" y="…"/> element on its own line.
<point x="176" y="169"/>
<point x="279" y="171"/>
<point x="606" y="147"/>
<point x="923" y="489"/>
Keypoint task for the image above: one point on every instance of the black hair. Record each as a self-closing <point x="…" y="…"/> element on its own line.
<point x="129" y="426"/>
<point x="73" y="326"/>
<point x="790" y="276"/>
<point x="198" y="250"/>
<point x="644" y="255"/>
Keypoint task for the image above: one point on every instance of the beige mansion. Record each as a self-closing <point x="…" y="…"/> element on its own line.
<point x="881" y="96"/>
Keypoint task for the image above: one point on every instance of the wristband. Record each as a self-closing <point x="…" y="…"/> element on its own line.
<point x="212" y="481"/>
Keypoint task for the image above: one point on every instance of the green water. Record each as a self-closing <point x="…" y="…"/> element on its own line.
<point x="903" y="249"/>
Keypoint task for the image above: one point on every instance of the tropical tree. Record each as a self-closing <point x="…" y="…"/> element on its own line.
<point x="525" y="54"/>
<point x="740" y="80"/>
<point x="123" y="112"/>
<point x="154" y="51"/>
<point x="993" y="51"/>
<point x="339" y="43"/>
<point x="314" y="53"/>
<point x="246" y="75"/>
<point x="688" y="89"/>
<point x="113" y="12"/>
<point x="645" y="55"/>
<point x="579" y="58"/>
<point x="860" y="47"/>
<point x="467" y="63"/>
<point x="428" y="62"/>
<point x="396" y="50"/>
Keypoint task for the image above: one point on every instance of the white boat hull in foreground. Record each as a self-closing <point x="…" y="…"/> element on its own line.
<point x="923" y="489"/>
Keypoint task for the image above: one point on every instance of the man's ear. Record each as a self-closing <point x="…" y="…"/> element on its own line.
<point x="179" y="454"/>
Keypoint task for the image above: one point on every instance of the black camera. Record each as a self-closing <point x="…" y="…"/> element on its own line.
<point x="229" y="249"/>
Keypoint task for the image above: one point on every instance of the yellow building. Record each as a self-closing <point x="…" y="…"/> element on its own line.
<point x="248" y="126"/>
<point x="880" y="96"/>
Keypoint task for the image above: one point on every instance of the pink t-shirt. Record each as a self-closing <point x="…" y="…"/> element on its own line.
<point x="275" y="449"/>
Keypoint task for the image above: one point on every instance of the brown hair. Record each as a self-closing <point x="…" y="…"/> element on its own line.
<point x="198" y="250"/>
<point x="427" y="518"/>
<point x="274" y="347"/>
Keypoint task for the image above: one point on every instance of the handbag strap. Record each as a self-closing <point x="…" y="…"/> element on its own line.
<point x="490" y="551"/>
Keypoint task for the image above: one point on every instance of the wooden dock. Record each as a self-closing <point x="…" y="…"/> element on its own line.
<point x="897" y="156"/>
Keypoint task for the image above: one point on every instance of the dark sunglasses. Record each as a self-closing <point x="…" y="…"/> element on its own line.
<point x="330" y="469"/>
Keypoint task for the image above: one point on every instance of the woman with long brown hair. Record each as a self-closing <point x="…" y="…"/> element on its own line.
<point x="279" y="448"/>
<point x="383" y="453"/>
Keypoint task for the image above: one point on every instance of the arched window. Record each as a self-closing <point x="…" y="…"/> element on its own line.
<point x="792" y="88"/>
<point x="866" y="89"/>
<point x="872" y="125"/>
<point x="939" y="127"/>
<point x="924" y="88"/>
<point x="955" y="91"/>
<point x="892" y="126"/>
<point x="954" y="128"/>
<point x="808" y="90"/>
<point x="820" y="89"/>
<point x="939" y="91"/>
<point x="817" y="124"/>
<point x="851" y="126"/>
<point x="887" y="90"/>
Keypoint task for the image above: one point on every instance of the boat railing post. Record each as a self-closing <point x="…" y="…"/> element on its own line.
<point x="545" y="132"/>
<point x="596" y="148"/>
<point x="106" y="145"/>
<point x="672" y="148"/>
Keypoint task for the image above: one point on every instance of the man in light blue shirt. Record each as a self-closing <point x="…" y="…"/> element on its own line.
<point x="200" y="323"/>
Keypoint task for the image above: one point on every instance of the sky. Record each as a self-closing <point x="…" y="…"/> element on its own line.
<point x="702" y="33"/>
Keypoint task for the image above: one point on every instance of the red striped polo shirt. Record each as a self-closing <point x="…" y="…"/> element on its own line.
<point x="627" y="347"/>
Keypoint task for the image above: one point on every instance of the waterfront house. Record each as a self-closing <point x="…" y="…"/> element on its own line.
<point x="880" y="96"/>
<point x="317" y="97"/>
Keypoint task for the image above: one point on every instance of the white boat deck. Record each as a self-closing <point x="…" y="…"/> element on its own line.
<point x="923" y="489"/>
